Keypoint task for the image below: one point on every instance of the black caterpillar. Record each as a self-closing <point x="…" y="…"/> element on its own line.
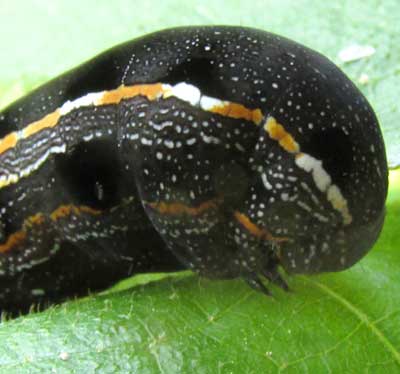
<point x="226" y="150"/>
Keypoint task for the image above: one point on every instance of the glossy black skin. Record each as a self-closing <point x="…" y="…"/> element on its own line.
<point x="168" y="57"/>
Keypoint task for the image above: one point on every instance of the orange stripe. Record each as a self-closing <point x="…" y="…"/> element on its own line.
<point x="151" y="91"/>
<point x="11" y="140"/>
<point x="12" y="241"/>
<point x="48" y="121"/>
<point x="174" y="209"/>
<point x="66" y="210"/>
<point x="62" y="211"/>
<point x="255" y="230"/>
<point x="8" y="142"/>
<point x="19" y="236"/>
<point x="239" y="111"/>
<point x="277" y="132"/>
<point x="37" y="219"/>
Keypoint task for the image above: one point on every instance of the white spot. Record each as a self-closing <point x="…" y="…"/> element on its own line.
<point x="210" y="139"/>
<point x="320" y="217"/>
<point x="264" y="179"/>
<point x="133" y="136"/>
<point x="87" y="138"/>
<point x="162" y="126"/>
<point x="87" y="100"/>
<point x="285" y="196"/>
<point x="239" y="147"/>
<point x="169" y="144"/>
<point x="325" y="247"/>
<point x="38" y="292"/>
<point x="304" y="206"/>
<point x="191" y="141"/>
<point x="146" y="141"/>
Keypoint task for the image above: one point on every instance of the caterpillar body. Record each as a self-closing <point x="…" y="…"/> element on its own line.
<point x="227" y="150"/>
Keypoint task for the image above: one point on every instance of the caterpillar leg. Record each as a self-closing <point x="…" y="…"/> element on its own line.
<point x="271" y="273"/>
<point x="256" y="283"/>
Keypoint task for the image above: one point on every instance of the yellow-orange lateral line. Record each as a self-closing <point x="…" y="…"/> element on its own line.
<point x="277" y="132"/>
<point x="180" y="208"/>
<point x="239" y="111"/>
<point x="255" y="230"/>
<point x="62" y="211"/>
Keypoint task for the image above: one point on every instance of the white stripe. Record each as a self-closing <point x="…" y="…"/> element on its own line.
<point x="313" y="165"/>
<point x="207" y="102"/>
<point x="90" y="99"/>
<point x="184" y="91"/>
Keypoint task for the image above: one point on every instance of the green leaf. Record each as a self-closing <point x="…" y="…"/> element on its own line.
<point x="347" y="322"/>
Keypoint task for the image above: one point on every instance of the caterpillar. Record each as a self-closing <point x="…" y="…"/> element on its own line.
<point x="230" y="151"/>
